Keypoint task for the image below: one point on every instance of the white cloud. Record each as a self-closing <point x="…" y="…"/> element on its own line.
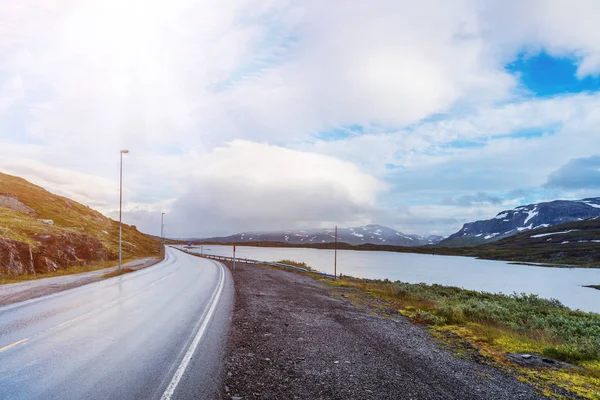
<point x="564" y="121"/>
<point x="247" y="185"/>
<point x="175" y="81"/>
<point x="562" y="27"/>
<point x="87" y="189"/>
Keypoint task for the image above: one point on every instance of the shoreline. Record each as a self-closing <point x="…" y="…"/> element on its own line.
<point x="446" y="272"/>
<point x="470" y="252"/>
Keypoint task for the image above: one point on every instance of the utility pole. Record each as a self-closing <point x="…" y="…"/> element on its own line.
<point x="335" y="256"/>
<point x="121" y="209"/>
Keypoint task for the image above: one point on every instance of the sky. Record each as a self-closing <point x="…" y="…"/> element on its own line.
<point x="278" y="114"/>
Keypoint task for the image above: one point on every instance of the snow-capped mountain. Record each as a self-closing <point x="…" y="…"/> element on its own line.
<point x="375" y="234"/>
<point x="522" y="219"/>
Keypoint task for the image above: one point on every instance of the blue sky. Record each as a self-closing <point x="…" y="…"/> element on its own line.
<point x="544" y="75"/>
<point x="259" y="115"/>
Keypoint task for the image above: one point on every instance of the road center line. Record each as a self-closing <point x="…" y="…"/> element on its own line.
<point x="13" y="344"/>
<point x="190" y="352"/>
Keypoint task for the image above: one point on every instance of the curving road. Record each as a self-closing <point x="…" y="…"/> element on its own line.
<point x="157" y="333"/>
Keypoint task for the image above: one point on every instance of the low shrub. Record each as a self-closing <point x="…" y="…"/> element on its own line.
<point x="567" y="335"/>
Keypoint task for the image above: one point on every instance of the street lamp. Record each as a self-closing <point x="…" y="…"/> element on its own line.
<point x="121" y="209"/>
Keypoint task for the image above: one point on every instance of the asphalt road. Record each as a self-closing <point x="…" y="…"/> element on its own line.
<point x="157" y="333"/>
<point x="21" y="291"/>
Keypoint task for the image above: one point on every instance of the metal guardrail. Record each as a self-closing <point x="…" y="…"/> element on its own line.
<point x="251" y="261"/>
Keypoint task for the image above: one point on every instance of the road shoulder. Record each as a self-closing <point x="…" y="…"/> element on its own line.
<point x="292" y="338"/>
<point x="16" y="292"/>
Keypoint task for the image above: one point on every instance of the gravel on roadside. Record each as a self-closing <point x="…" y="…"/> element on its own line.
<point x="292" y="338"/>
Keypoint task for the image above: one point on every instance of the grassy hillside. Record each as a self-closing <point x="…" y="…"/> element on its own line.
<point x="41" y="232"/>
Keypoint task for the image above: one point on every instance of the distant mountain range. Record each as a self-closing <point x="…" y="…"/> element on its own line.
<point x="506" y="224"/>
<point x="374" y="234"/>
<point x="522" y="219"/>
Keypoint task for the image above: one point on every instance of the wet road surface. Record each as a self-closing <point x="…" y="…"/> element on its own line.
<point x="157" y="333"/>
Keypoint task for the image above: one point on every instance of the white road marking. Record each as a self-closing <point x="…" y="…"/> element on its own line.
<point x="190" y="352"/>
<point x="13" y="344"/>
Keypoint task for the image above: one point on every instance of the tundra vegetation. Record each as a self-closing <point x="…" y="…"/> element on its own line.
<point x="497" y="325"/>
<point x="295" y="264"/>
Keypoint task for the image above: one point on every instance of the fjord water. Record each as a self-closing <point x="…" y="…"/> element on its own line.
<point x="563" y="284"/>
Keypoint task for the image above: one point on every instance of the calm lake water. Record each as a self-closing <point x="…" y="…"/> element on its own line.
<point x="564" y="284"/>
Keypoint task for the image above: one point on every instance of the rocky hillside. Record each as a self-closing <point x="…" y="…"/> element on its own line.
<point x="374" y="234"/>
<point x="573" y="243"/>
<point x="524" y="219"/>
<point x="41" y="232"/>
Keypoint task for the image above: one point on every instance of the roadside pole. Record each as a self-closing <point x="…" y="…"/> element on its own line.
<point x="234" y="256"/>
<point x="335" y="256"/>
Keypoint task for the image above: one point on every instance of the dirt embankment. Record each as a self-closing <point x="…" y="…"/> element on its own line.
<point x="50" y="254"/>
<point x="295" y="338"/>
<point x="42" y="232"/>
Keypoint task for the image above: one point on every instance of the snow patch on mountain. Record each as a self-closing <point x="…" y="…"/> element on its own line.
<point x="524" y="218"/>
<point x="589" y="203"/>
<point x="502" y="215"/>
<point x="553" y="233"/>
<point x="531" y="214"/>
<point x="374" y="234"/>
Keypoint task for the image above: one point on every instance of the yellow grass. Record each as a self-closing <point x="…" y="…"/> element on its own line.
<point x="68" y="217"/>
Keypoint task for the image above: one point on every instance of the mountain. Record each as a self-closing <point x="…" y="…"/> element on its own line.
<point x="375" y="234"/>
<point x="42" y="232"/>
<point x="572" y="243"/>
<point x="523" y="219"/>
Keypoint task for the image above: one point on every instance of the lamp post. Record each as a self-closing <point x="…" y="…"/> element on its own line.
<point x="121" y="209"/>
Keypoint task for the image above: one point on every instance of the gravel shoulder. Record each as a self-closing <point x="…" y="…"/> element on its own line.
<point x="21" y="291"/>
<point x="294" y="337"/>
